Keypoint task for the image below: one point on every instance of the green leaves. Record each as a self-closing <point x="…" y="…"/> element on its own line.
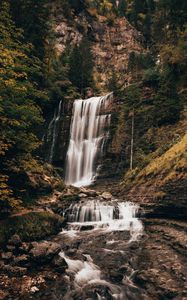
<point x="20" y="114"/>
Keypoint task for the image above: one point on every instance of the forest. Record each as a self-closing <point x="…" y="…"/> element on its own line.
<point x="52" y="53"/>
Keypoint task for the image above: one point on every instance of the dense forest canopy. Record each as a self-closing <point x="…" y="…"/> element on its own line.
<point x="34" y="78"/>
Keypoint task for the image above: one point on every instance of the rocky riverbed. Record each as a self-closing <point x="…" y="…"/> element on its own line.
<point x="97" y="262"/>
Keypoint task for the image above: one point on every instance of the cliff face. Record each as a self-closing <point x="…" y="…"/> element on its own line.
<point x="111" y="43"/>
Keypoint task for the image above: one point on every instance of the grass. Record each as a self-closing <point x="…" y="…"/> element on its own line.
<point x="171" y="161"/>
<point x="167" y="167"/>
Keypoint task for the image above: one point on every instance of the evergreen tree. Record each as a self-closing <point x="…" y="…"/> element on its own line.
<point x="122" y="7"/>
<point x="81" y="66"/>
<point x="33" y="17"/>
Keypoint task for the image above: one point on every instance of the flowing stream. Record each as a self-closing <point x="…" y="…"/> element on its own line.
<point x="101" y="239"/>
<point x="52" y="130"/>
<point x="99" y="235"/>
<point x="89" y="131"/>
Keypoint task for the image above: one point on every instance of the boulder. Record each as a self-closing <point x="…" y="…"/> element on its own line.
<point x="88" y="192"/>
<point x="59" y="264"/>
<point x="116" y="276"/>
<point x="106" y="195"/>
<point x="86" y="227"/>
<point x="82" y="195"/>
<point x="44" y="252"/>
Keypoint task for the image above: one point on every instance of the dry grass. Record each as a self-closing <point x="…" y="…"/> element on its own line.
<point x="173" y="160"/>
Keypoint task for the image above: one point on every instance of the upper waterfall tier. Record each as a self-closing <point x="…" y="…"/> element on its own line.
<point x="89" y="128"/>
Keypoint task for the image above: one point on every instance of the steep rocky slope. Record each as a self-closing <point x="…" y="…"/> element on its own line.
<point x="111" y="43"/>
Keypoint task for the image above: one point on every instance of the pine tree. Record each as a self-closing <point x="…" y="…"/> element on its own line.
<point x="122" y="7"/>
<point x="81" y="66"/>
<point x="33" y="17"/>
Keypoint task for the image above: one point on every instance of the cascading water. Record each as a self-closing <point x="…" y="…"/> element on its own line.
<point x="101" y="233"/>
<point x="89" y="128"/>
<point x="94" y="214"/>
<point x="100" y="236"/>
<point x="52" y="131"/>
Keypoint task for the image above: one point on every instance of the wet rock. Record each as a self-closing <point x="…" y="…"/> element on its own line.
<point x="44" y="252"/>
<point x="86" y="227"/>
<point x="89" y="192"/>
<point x="15" y="240"/>
<point x="134" y="246"/>
<point x="116" y="276"/>
<point x="82" y="195"/>
<point x="106" y="195"/>
<point x="125" y="269"/>
<point x="59" y="264"/>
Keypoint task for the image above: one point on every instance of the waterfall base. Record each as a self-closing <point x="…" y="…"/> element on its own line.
<point x="103" y="232"/>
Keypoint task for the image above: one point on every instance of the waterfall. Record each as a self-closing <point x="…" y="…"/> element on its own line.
<point x="89" y="128"/>
<point x="95" y="211"/>
<point x="103" y="215"/>
<point x="52" y="130"/>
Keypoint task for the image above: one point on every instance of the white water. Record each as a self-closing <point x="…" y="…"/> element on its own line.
<point x="97" y="215"/>
<point x="89" y="129"/>
<point x="87" y="274"/>
<point x="53" y="130"/>
<point x="100" y="220"/>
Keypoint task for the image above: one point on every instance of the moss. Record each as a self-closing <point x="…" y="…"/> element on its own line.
<point x="173" y="158"/>
<point x="31" y="226"/>
<point x="70" y="198"/>
<point x="161" y="170"/>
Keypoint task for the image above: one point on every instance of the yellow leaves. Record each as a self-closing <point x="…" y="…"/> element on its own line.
<point x="92" y="11"/>
<point x="142" y="16"/>
<point x="3" y="147"/>
<point x="10" y="82"/>
<point x="175" y="54"/>
<point x="10" y="59"/>
<point x="5" y="191"/>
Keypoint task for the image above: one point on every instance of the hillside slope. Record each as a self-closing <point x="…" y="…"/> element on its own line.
<point x="161" y="186"/>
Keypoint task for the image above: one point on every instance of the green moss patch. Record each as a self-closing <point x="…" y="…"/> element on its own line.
<point x="31" y="226"/>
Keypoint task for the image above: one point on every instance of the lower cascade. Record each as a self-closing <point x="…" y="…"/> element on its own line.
<point x="99" y="235"/>
<point x="89" y="131"/>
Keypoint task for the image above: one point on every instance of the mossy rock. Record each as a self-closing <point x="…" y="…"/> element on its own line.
<point x="70" y="198"/>
<point x="31" y="226"/>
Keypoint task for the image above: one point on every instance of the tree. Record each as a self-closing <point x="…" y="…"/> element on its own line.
<point x="20" y="114"/>
<point x="33" y="17"/>
<point x="122" y="7"/>
<point x="81" y="66"/>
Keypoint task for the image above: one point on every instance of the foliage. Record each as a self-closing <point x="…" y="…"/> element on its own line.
<point x="30" y="226"/>
<point x="81" y="66"/>
<point x="20" y="114"/>
<point x="169" y="166"/>
<point x="32" y="16"/>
